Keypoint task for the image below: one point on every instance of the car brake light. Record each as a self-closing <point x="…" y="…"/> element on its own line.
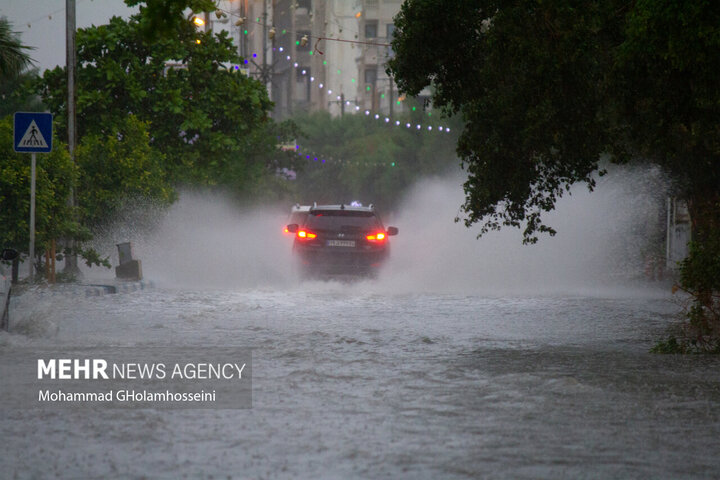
<point x="305" y="235"/>
<point x="376" y="237"/>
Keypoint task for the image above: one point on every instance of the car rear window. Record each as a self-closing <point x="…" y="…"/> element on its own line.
<point x="338" y="219"/>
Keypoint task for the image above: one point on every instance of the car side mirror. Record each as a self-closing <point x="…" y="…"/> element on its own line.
<point x="392" y="231"/>
<point x="9" y="254"/>
<point x="292" y="228"/>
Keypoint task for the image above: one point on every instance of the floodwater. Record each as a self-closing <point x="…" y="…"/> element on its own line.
<point x="511" y="363"/>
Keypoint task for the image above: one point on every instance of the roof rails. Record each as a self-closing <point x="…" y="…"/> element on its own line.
<point x="343" y="206"/>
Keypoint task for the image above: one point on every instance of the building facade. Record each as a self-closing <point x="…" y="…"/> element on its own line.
<point x="316" y="54"/>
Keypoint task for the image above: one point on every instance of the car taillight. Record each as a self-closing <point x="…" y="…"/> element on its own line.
<point x="378" y="237"/>
<point x="306" y="235"/>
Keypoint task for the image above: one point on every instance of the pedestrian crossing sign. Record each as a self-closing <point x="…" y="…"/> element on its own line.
<point x="33" y="132"/>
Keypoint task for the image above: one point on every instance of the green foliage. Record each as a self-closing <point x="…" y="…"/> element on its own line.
<point x="527" y="78"/>
<point x="700" y="271"/>
<point x="547" y="87"/>
<point x="118" y="165"/>
<point x="669" y="346"/>
<point x="156" y="106"/>
<point x="210" y="122"/>
<point x="162" y="18"/>
<point x="366" y="160"/>
<point x="700" y="278"/>
<point x="54" y="175"/>
<point x="16" y="94"/>
<point x="664" y="83"/>
<point x="13" y="54"/>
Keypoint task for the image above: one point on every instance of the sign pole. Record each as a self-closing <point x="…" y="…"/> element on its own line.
<point x="32" y="134"/>
<point x="32" y="216"/>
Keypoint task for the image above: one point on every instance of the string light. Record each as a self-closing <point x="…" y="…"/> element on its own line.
<point x="321" y="159"/>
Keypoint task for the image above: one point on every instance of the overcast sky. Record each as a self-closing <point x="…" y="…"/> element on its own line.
<point x="46" y="31"/>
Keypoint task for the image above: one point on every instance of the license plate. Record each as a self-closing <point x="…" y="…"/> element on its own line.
<point x="341" y="243"/>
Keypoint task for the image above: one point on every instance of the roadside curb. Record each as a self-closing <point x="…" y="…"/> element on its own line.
<point x="88" y="289"/>
<point x="95" y="290"/>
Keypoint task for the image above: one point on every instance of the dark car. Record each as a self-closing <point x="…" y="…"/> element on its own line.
<point x="341" y="239"/>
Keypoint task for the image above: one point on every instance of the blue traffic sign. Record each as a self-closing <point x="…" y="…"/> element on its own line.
<point x="33" y="132"/>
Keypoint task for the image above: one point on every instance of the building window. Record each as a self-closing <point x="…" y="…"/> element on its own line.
<point x="307" y="4"/>
<point x="370" y="78"/>
<point x="302" y="84"/>
<point x="390" y="30"/>
<point x="371" y="29"/>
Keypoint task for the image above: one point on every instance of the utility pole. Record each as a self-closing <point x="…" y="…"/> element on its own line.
<point x="71" y="258"/>
<point x="264" y="43"/>
<point x="265" y="71"/>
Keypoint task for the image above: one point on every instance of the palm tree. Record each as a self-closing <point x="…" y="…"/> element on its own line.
<point x="13" y="58"/>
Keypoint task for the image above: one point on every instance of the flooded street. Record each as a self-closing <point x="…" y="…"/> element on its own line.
<point x="465" y="359"/>
<point x="350" y="382"/>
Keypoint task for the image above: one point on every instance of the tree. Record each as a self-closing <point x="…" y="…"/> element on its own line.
<point x="527" y="78"/>
<point x="163" y="18"/>
<point x="117" y="166"/>
<point x="13" y="56"/>
<point x="665" y="79"/>
<point x="209" y="120"/>
<point x="365" y="159"/>
<point x="14" y="61"/>
<point x="16" y="94"/>
<point x="547" y="88"/>
<point x="55" y="172"/>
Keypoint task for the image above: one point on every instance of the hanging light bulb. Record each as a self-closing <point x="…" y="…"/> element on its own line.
<point x="271" y="33"/>
<point x="199" y="22"/>
<point x="304" y="40"/>
<point x="240" y="21"/>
